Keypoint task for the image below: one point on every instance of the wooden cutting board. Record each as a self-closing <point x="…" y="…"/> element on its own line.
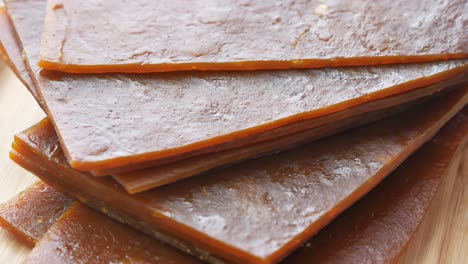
<point x="442" y="238"/>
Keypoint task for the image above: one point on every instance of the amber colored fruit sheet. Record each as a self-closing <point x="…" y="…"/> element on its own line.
<point x="99" y="117"/>
<point x="146" y="179"/>
<point x="83" y="235"/>
<point x="155" y="176"/>
<point x="297" y="192"/>
<point x="383" y="221"/>
<point x="31" y="213"/>
<point x="86" y="36"/>
<point x="11" y="51"/>
<point x="142" y="180"/>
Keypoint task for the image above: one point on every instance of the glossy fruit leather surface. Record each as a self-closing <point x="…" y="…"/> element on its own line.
<point x="377" y="228"/>
<point x="382" y="222"/>
<point x="146" y="179"/>
<point x="113" y="121"/>
<point x="297" y="192"/>
<point x="141" y="180"/>
<point x="83" y="235"/>
<point x="31" y="213"/>
<point x="86" y="36"/>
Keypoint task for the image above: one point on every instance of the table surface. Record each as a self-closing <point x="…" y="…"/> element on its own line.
<point x="442" y="237"/>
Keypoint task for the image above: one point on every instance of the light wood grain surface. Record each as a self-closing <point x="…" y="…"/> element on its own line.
<point x="442" y="238"/>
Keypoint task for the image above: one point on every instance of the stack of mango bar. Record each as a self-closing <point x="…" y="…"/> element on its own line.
<point x="234" y="131"/>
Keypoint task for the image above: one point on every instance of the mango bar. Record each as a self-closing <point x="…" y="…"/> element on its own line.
<point x="142" y="180"/>
<point x="40" y="208"/>
<point x="146" y="179"/>
<point x="378" y="227"/>
<point x="137" y="181"/>
<point x="190" y="114"/>
<point x="298" y="191"/>
<point x="86" y="36"/>
<point x="83" y="235"/>
<point x="31" y="213"/>
<point x="374" y="218"/>
<point x="411" y="171"/>
<point x="291" y="155"/>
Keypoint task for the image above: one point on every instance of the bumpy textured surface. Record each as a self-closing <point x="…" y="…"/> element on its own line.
<point x="110" y="121"/>
<point x="156" y="176"/>
<point x="382" y="222"/>
<point x="231" y="213"/>
<point x="29" y="215"/>
<point x="141" y="180"/>
<point x="83" y="235"/>
<point x="377" y="228"/>
<point x="86" y="36"/>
